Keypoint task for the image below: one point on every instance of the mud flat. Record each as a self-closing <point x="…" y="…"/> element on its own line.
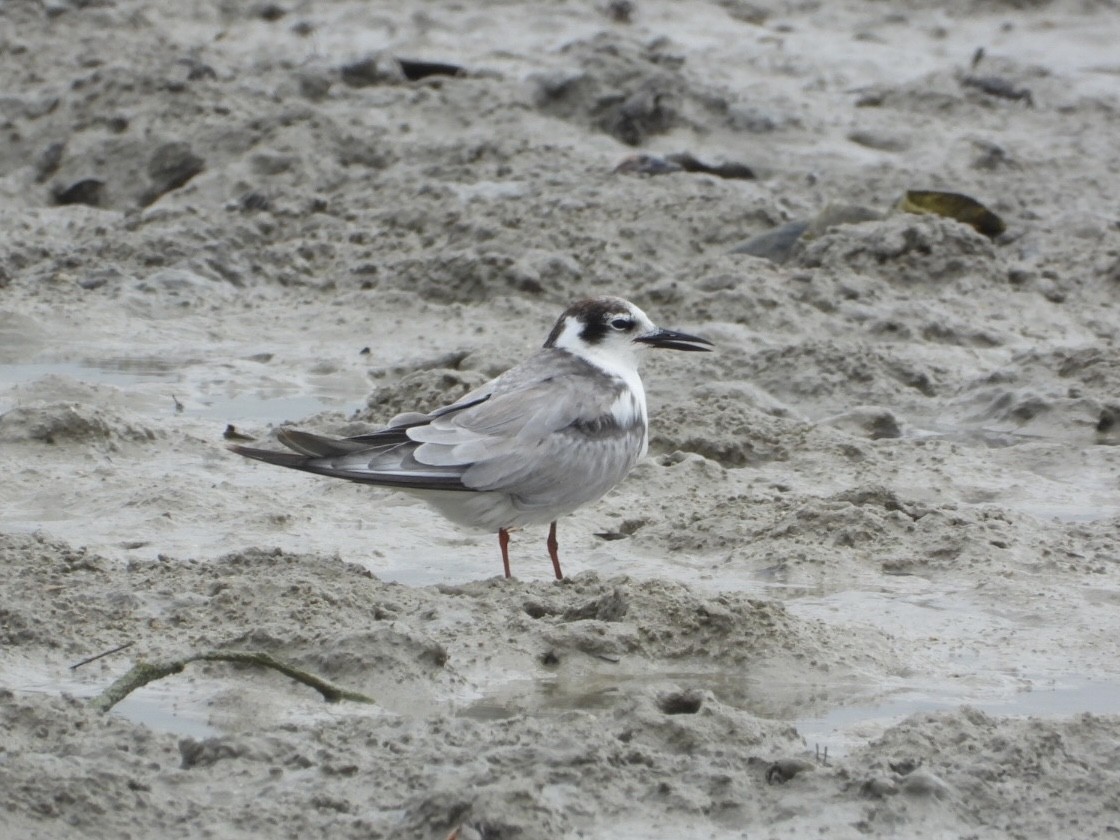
<point x="866" y="583"/>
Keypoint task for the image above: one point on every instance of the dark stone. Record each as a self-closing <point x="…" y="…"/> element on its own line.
<point x="416" y="70"/>
<point x="89" y="191"/>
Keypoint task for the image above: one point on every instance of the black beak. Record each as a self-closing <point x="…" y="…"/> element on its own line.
<point x="675" y="341"/>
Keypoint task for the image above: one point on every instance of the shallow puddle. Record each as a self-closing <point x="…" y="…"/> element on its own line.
<point x="21" y="373"/>
<point x="126" y="373"/>
<point x="164" y="707"/>
<point x="846" y="725"/>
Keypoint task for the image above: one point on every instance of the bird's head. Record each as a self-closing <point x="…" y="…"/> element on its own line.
<point x="614" y="331"/>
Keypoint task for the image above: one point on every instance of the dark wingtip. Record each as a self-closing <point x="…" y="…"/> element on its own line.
<point x="283" y="459"/>
<point x="248" y="451"/>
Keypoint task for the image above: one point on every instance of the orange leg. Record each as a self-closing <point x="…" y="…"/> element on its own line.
<point x="503" y="541"/>
<point x="554" y="551"/>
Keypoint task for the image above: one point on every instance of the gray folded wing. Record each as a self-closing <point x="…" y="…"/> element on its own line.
<point x="548" y="435"/>
<point x="545" y="433"/>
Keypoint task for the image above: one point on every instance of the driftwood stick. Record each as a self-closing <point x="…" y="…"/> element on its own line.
<point x="143" y="673"/>
<point x="97" y="656"/>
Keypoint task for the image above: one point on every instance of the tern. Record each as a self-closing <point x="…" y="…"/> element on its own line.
<point x="551" y="434"/>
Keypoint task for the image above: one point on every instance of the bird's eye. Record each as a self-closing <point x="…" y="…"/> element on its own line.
<point x="622" y="324"/>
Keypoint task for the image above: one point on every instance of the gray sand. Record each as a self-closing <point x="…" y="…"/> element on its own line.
<point x="880" y="521"/>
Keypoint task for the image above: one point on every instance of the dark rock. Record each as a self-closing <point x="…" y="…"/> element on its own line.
<point x="88" y="191"/>
<point x="619" y="11"/>
<point x="689" y="163"/>
<point x="270" y="11"/>
<point x="998" y="87"/>
<point x="416" y="70"/>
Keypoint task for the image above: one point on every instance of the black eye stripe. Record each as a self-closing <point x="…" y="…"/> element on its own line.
<point x="596" y="330"/>
<point x="595" y="317"/>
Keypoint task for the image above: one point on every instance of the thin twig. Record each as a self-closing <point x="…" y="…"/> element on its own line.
<point x="143" y="673"/>
<point x="90" y="659"/>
